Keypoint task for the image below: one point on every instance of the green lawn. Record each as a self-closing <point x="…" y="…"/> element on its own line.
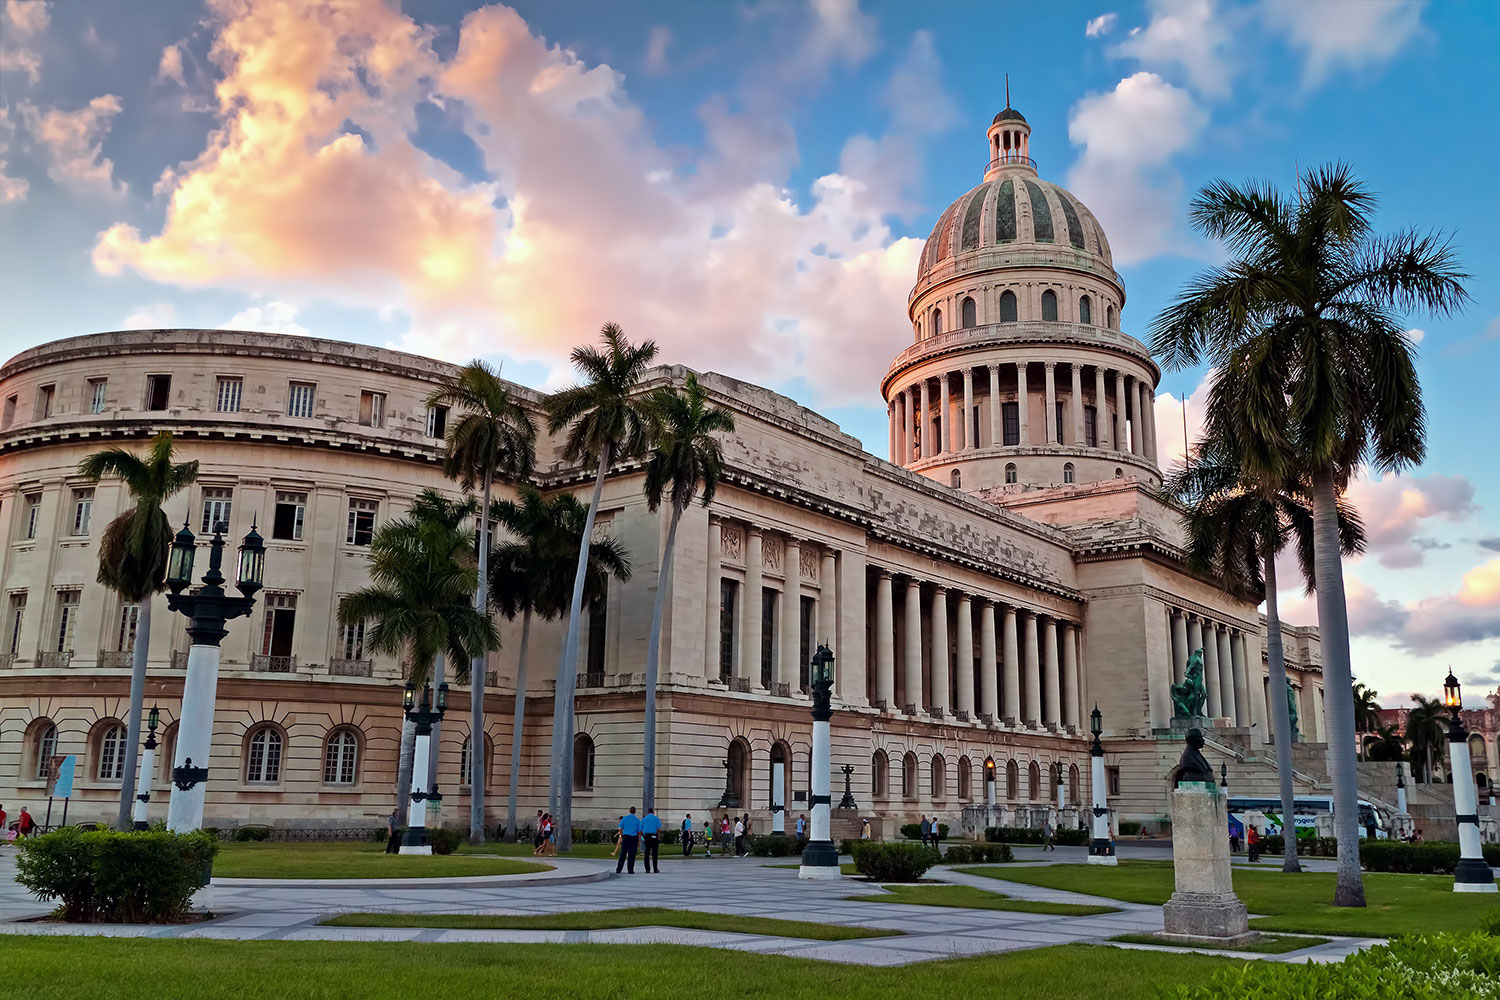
<point x="1397" y="904"/>
<point x="641" y="916"/>
<point x="1266" y="944"/>
<point x="977" y="899"/>
<point x="64" y="968"/>
<point x="353" y="859"/>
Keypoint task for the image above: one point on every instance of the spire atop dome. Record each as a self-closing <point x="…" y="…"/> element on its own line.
<point x="1010" y="140"/>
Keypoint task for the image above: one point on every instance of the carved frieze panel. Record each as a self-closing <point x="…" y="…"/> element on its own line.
<point x="809" y="560"/>
<point x="771" y="550"/>
<point x="732" y="543"/>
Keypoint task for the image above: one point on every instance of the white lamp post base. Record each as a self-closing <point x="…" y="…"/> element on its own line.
<point x="1103" y="859"/>
<point x="415" y="849"/>
<point x="823" y="873"/>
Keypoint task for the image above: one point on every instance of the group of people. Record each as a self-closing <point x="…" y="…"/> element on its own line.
<point x="544" y="837"/>
<point x="932" y="832"/>
<point x="23" y="827"/>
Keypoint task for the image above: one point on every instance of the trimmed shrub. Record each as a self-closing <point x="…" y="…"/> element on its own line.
<point x="1013" y="835"/>
<point x="1307" y="847"/>
<point x="1489" y="922"/>
<point x="1071" y="837"/>
<point x="445" y="839"/>
<point x="913" y="831"/>
<point x="1130" y="828"/>
<point x="847" y="846"/>
<point x="894" y="862"/>
<point x="978" y="854"/>
<point x="107" y="875"/>
<point x="248" y="833"/>
<point x="775" y="845"/>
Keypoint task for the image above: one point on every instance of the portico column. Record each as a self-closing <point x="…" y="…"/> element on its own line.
<point x="1179" y="647"/>
<point x="750" y="632"/>
<point x="968" y="417"/>
<point x="1121" y="442"/>
<point x="939" y="650"/>
<point x="912" y="665"/>
<point x="1143" y="422"/>
<point x="926" y="424"/>
<point x="1226" y="676"/>
<point x="1012" y="666"/>
<point x="996" y="435"/>
<point x="1135" y="423"/>
<point x="1150" y="409"/>
<point x="711" y="603"/>
<point x="1033" y="672"/>
<point x="945" y="424"/>
<point x="964" y="653"/>
<point x="890" y="412"/>
<point x="1077" y="436"/>
<point x="1050" y="673"/>
<point x="828" y="605"/>
<point x="989" y="702"/>
<point x="908" y="432"/>
<point x="1051" y="415"/>
<point x="1211" y="676"/>
<point x="789" y="667"/>
<point x="885" y="642"/>
<point x="1101" y="412"/>
<point x="1070" y="675"/>
<point x="1241" y="682"/>
<point x="1021" y="407"/>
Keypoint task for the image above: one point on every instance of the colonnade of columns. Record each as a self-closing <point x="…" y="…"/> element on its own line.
<point x="927" y="424"/>
<point x="1227" y="671"/>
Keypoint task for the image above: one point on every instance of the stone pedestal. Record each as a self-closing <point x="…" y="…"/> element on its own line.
<point x="1323" y="824"/>
<point x="1204" y="905"/>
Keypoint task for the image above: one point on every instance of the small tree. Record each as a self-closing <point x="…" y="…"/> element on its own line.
<point x="1426" y="731"/>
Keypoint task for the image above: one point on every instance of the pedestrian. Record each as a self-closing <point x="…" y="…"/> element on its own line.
<point x="1252" y="840"/>
<point x="615" y="849"/>
<point x="536" y="835"/>
<point x="651" y="840"/>
<point x="392" y="832"/>
<point x="1047" y="844"/>
<point x="937" y="834"/>
<point x="801" y="826"/>
<point x="25" y="824"/>
<point x="926" y="829"/>
<point x="1234" y="837"/>
<point x="725" y="835"/>
<point x="739" y="837"/>
<point x="687" y="835"/>
<point x="708" y="836"/>
<point x="864" y="829"/>
<point x="630" y="832"/>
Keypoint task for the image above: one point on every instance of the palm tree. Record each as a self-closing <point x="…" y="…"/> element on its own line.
<point x="421" y="599"/>
<point x="1313" y="373"/>
<point x="1386" y="744"/>
<point x="533" y="577"/>
<point x="133" y="563"/>
<point x="605" y="419"/>
<point x="494" y="436"/>
<point x="1366" y="710"/>
<point x="1235" y="528"/>
<point x="686" y="458"/>
<point x="1426" y="732"/>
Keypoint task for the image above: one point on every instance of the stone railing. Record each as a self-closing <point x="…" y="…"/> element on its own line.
<point x="265" y="664"/>
<point x="351" y="668"/>
<point x="55" y="658"/>
<point x="936" y="713"/>
<point x="959" y="715"/>
<point x="878" y="704"/>
<point x="179" y="659"/>
<point x="116" y="658"/>
<point x="781" y="689"/>
<point x="741" y="685"/>
<point x="985" y="718"/>
<point x="910" y="708"/>
<point x="626" y="680"/>
<point x="590" y="680"/>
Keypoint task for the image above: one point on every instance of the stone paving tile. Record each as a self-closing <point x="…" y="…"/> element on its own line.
<point x="354" y="934"/>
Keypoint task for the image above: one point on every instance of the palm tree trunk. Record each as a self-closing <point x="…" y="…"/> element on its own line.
<point x="1333" y="634"/>
<point x="477" y="763"/>
<point x="515" y="732"/>
<point x="439" y="662"/>
<point x="139" y="653"/>
<point x="403" y="768"/>
<point x="1280" y="712"/>
<point x="567" y="677"/>
<point x="653" y="664"/>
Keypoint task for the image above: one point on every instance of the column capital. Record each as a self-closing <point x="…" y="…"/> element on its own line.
<point x="965" y="599"/>
<point x="938" y="589"/>
<point x="882" y="574"/>
<point x="751" y="529"/>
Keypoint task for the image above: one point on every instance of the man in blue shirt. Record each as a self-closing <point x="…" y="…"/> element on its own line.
<point x="630" y="829"/>
<point x="651" y="834"/>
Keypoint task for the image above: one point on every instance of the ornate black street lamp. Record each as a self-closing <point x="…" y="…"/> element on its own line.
<point x="422" y="714"/>
<point x="207" y="608"/>
<point x="148" y="764"/>
<point x="847" y="802"/>
<point x="820" y="859"/>
<point x="1101" y="847"/>
<point x="1472" y="873"/>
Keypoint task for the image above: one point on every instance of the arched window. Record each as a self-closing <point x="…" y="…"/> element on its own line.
<point x="43" y="746"/>
<point x="1012" y="780"/>
<point x="965" y="780"/>
<point x="939" y="777"/>
<point x="880" y="775"/>
<point x="937" y="322"/>
<point x="1010" y="472"/>
<point x="1119" y="473"/>
<point x="263" y="756"/>
<point x="970" y="314"/>
<point x="739" y="773"/>
<point x="1109" y="317"/>
<point x="341" y="758"/>
<point x="956" y="479"/>
<point x="109" y="752"/>
<point x="909" y="776"/>
<point x="583" y="762"/>
<point x="1085" y="311"/>
<point x="1033" y="782"/>
<point x="1073" y="792"/>
<point x="1007" y="307"/>
<point x="1067" y="472"/>
<point x="1049" y="306"/>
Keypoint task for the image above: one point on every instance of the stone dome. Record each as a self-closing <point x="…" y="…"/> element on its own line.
<point x="1008" y="115"/>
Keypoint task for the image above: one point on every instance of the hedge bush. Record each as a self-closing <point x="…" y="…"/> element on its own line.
<point x="1129" y="828"/>
<point x="1433" y="857"/>
<point x="1439" y="967"/>
<point x="248" y="833"/>
<point x="894" y="862"/>
<point x="445" y="839"/>
<point x="1489" y="923"/>
<point x="775" y="845"/>
<point x="1071" y="836"/>
<point x="978" y="854"/>
<point x="1307" y="847"/>
<point x="116" y="877"/>
<point x="913" y="831"/>
<point x="1012" y="835"/>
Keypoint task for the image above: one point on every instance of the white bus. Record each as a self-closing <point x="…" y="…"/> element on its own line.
<point x="1304" y="808"/>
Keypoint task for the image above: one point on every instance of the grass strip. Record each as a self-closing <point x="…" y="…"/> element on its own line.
<point x="968" y="897"/>
<point x="354" y="859"/>
<point x="597" y="920"/>
<point x="1266" y="944"/>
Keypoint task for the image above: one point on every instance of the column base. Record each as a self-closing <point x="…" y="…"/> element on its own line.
<point x="140" y="825"/>
<point x="1102" y="852"/>
<point x="1215" y="916"/>
<point x="415" y="841"/>
<point x="1473" y="875"/>
<point x="820" y="860"/>
<point x="820" y="873"/>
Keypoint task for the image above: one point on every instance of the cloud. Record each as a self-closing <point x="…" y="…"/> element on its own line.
<point x="1491" y="543"/>
<point x="583" y="216"/>
<point x="268" y="317"/>
<point x="656" y="49"/>
<point x="1128" y="136"/>
<point x="1171" y="417"/>
<point x="1369" y="615"/>
<point x="25" y="18"/>
<point x="1101" y="25"/>
<point x="1191" y="37"/>
<point x="22" y="61"/>
<point x="1394" y="507"/>
<point x="156" y="316"/>
<point x="11" y="188"/>
<point x="1416" y="336"/>
<point x="74" y="141"/>
<point x="170" y="67"/>
<point x="1344" y="36"/>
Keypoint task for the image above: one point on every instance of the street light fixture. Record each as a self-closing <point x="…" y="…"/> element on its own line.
<point x="820" y="859"/>
<point x="1101" y="848"/>
<point x="148" y="764"/>
<point x="1472" y="873"/>
<point x="207" y="608"/>
<point x="422" y="713"/>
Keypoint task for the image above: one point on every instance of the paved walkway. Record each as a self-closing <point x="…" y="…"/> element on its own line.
<point x="254" y="910"/>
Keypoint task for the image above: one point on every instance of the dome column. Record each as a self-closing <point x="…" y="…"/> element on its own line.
<point x="1148" y="407"/>
<point x="968" y="420"/>
<point x="1122" y="443"/>
<point x="1140" y="419"/>
<point x="1101" y="412"/>
<point x="945" y="419"/>
<point x="1050" y="417"/>
<point x="996" y="434"/>
<point x="909" y="434"/>
<point x="1021" y="401"/>
<point x="926" y="424"/>
<point x="1077" y="436"/>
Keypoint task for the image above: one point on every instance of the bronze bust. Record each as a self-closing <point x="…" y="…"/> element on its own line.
<point x="1193" y="766"/>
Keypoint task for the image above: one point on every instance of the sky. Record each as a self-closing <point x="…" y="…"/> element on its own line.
<point x="748" y="184"/>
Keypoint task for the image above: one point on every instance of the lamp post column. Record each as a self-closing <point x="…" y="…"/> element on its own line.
<point x="820" y="859"/>
<point x="423" y="715"/>
<point x="1472" y="873"/>
<point x="148" y="764"/>
<point x="1101" y="848"/>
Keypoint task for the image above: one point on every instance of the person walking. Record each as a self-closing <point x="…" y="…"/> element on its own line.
<point x="739" y="837"/>
<point x="24" y="824"/>
<point x="864" y="829"/>
<point x="392" y="832"/>
<point x="687" y="835"/>
<point x="651" y="841"/>
<point x="536" y="835"/>
<point x="630" y="832"/>
<point x="926" y="829"/>
<point x="801" y="827"/>
<point x="1047" y="843"/>
<point x="1252" y="840"/>
<point x="936" y="833"/>
<point x="708" y="836"/>
<point x="725" y="835"/>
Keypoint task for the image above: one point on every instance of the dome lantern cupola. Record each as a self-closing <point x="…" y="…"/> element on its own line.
<point x="1010" y="141"/>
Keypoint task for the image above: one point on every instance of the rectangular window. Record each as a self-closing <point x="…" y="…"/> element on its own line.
<point x="291" y="508"/>
<point x="158" y="391"/>
<point x="352" y="641"/>
<point x="67" y="618"/>
<point x="83" y="511"/>
<point x="129" y="615"/>
<point x="973" y="427"/>
<point x="372" y="409"/>
<point x="98" y="391"/>
<point x="809" y="612"/>
<point x="1091" y="426"/>
<point x="728" y="591"/>
<point x="437" y="421"/>
<point x="9" y="416"/>
<point x="33" y="514"/>
<point x="1112" y="779"/>
<point x="281" y="621"/>
<point x="15" y="616"/>
<point x="299" y="399"/>
<point x="1010" y="422"/>
<point x="361" y="521"/>
<point x="44" y="396"/>
<point x="217" y="504"/>
<point x="598" y="618"/>
<point x="1058" y="423"/>
<point x="767" y="636"/>
<point x="230" y="391"/>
